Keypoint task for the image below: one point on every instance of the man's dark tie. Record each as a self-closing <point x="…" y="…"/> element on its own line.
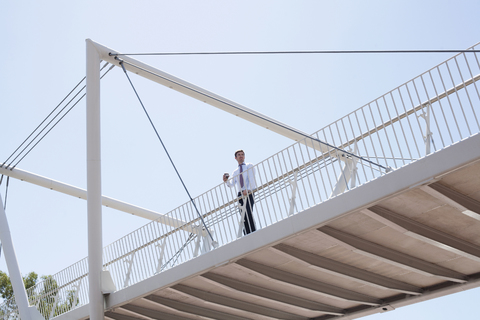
<point x="241" y="177"/>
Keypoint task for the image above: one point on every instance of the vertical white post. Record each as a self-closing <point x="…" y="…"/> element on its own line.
<point x="208" y="242"/>
<point x="349" y="170"/>
<point x="77" y="291"/>
<point x="162" y="253"/>
<point x="12" y="264"/>
<point x="242" y="216"/>
<point x="129" y="271"/>
<point x="293" y="183"/>
<point x="428" y="133"/>
<point x="197" y="245"/>
<point x="94" y="185"/>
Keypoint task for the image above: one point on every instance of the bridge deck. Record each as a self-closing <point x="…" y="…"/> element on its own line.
<point x="406" y="237"/>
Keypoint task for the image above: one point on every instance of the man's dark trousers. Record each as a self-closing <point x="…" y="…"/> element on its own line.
<point x="248" y="223"/>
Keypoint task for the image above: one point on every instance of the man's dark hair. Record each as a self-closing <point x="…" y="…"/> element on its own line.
<point x="238" y="152"/>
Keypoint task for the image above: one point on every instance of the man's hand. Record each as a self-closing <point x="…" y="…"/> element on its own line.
<point x="244" y="192"/>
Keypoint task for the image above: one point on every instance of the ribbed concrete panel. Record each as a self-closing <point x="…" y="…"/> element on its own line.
<point x="278" y="298"/>
<point x="346" y="271"/>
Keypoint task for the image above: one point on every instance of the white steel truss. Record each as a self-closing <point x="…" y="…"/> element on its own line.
<point x="295" y="186"/>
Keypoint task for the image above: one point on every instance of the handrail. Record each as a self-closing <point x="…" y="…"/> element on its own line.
<point x="413" y="110"/>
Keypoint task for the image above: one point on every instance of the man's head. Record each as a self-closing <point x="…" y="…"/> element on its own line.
<point x="240" y="156"/>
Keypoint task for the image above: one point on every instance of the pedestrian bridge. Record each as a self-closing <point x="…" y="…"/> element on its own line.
<point x="378" y="210"/>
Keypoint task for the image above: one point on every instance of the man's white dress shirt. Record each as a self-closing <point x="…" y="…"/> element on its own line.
<point x="248" y="178"/>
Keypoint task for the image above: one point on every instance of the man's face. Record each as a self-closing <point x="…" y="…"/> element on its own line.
<point x="240" y="157"/>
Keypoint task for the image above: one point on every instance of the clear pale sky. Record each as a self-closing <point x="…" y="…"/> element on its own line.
<point x="43" y="58"/>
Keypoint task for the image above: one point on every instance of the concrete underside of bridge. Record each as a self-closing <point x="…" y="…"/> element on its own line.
<point x="409" y="236"/>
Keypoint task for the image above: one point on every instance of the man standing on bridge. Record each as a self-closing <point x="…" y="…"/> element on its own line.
<point x="244" y="180"/>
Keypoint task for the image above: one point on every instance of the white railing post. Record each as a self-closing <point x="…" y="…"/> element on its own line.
<point x="54" y="306"/>
<point x="162" y="253"/>
<point x="349" y="169"/>
<point x="204" y="243"/>
<point x="77" y="292"/>
<point x="428" y="134"/>
<point x="242" y="217"/>
<point x="353" y="178"/>
<point x="208" y="242"/>
<point x="129" y="271"/>
<point x="197" y="244"/>
<point x="293" y="183"/>
<point x="94" y="185"/>
<point x="353" y="181"/>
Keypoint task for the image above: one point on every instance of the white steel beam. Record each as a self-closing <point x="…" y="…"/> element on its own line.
<point x="318" y="287"/>
<point x="390" y="256"/>
<point x="345" y="271"/>
<point x="270" y="295"/>
<point x="94" y="185"/>
<point x="424" y="233"/>
<point x="453" y="198"/>
<point x="21" y="298"/>
<point x="106" y="201"/>
<point x="191" y="90"/>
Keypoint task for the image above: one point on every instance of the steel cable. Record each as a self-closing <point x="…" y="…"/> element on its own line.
<point x="49" y="123"/>
<point x="294" y="52"/>
<point x="44" y="120"/>
<point x="168" y="155"/>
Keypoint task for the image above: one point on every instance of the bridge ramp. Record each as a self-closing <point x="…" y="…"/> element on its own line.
<point x="408" y="236"/>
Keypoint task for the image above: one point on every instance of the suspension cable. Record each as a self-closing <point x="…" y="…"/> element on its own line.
<point x="294" y="52"/>
<point x="49" y="123"/>
<point x="44" y="120"/>
<point x="111" y="67"/>
<point x="44" y="128"/>
<point x="332" y="147"/>
<point x="166" y="151"/>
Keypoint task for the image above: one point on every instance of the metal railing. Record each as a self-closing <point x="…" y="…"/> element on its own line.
<point x="428" y="113"/>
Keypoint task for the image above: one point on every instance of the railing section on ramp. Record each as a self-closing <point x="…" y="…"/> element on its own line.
<point x="430" y="112"/>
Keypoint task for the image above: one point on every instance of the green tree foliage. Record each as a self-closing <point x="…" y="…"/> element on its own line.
<point x="6" y="291"/>
<point x="46" y="297"/>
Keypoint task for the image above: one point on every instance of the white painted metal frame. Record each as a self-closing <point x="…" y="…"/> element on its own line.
<point x="94" y="184"/>
<point x="409" y="176"/>
<point x="26" y="311"/>
<point x="348" y="173"/>
<point x="294" y="184"/>
<point x="378" y="131"/>
<point x="96" y="53"/>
